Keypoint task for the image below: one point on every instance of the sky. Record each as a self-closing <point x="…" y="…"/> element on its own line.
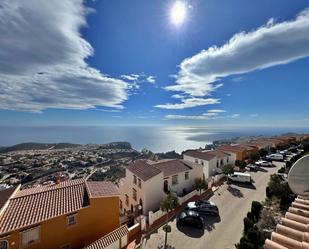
<point x="162" y="62"/>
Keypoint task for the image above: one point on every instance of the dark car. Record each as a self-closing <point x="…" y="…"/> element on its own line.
<point x="203" y="206"/>
<point x="252" y="167"/>
<point x="190" y="218"/>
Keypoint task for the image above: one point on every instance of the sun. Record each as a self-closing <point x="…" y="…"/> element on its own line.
<point x="178" y="13"/>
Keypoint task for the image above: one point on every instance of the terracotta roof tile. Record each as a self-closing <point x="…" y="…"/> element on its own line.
<point x="31" y="206"/>
<point x="108" y="239"/>
<point x="143" y="170"/>
<point x="102" y="189"/>
<point x="172" y="167"/>
<point x="293" y="232"/>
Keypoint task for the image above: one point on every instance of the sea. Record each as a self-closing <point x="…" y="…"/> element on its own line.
<point x="154" y="138"/>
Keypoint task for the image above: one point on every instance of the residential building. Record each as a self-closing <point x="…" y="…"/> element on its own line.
<point x="147" y="182"/>
<point x="242" y="151"/>
<point x="71" y="214"/>
<point x="211" y="161"/>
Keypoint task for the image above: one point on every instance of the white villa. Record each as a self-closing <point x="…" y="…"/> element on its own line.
<point x="147" y="182"/>
<point x="212" y="161"/>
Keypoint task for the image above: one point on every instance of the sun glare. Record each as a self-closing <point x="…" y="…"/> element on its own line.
<point x="178" y="12"/>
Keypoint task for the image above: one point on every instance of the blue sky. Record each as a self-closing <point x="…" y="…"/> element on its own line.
<point x="126" y="63"/>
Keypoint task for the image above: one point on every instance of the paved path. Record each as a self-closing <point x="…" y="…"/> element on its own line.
<point x="222" y="232"/>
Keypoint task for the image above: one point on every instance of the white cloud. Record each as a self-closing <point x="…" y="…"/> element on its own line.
<point x="204" y="116"/>
<point x="151" y="79"/>
<point x="43" y="59"/>
<point x="184" y="117"/>
<point x="190" y="102"/>
<point x="228" y="95"/>
<point x="130" y="77"/>
<point x="267" y="46"/>
<point x="216" y="111"/>
<point x="238" y="79"/>
<point x="253" y="115"/>
<point x="236" y="115"/>
<point x="178" y="96"/>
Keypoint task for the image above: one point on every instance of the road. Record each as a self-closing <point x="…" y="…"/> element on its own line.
<point x="233" y="201"/>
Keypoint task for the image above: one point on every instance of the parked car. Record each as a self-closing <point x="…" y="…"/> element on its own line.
<point x="263" y="163"/>
<point x="252" y="167"/>
<point x="240" y="177"/>
<point x="190" y="218"/>
<point x="275" y="157"/>
<point x="203" y="206"/>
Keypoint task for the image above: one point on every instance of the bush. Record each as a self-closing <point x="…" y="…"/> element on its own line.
<point x="254" y="237"/>
<point x="250" y="216"/>
<point x="248" y="223"/>
<point x="281" y="170"/>
<point x="268" y="194"/>
<point x="244" y="244"/>
<point x="256" y="208"/>
<point x="228" y="169"/>
<point x="240" y="163"/>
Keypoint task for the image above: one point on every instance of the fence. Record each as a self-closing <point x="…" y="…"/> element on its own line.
<point x="153" y="216"/>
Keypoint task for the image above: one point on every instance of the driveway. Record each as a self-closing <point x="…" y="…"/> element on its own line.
<point x="233" y="201"/>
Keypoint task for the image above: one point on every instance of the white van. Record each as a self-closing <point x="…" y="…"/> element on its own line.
<point x="240" y="177"/>
<point x="275" y="157"/>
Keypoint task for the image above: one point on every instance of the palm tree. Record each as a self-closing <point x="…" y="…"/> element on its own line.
<point x="168" y="204"/>
<point x="200" y="184"/>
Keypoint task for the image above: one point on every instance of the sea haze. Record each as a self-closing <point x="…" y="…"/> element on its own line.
<point x="154" y="138"/>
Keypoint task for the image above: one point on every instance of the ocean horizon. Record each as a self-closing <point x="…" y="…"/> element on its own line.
<point x="154" y="138"/>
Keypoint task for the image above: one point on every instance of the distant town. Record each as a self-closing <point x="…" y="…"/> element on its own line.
<point x="35" y="164"/>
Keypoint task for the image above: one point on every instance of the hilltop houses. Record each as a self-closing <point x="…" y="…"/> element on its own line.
<point x="211" y="161"/>
<point x="147" y="182"/>
<point x="71" y="214"/>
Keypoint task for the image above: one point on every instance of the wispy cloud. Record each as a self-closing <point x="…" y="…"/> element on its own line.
<point x="238" y="79"/>
<point x="216" y="111"/>
<point x="253" y="115"/>
<point x="151" y="79"/>
<point x="130" y="77"/>
<point x="204" y="116"/>
<point x="43" y="59"/>
<point x="190" y="102"/>
<point x="269" y="45"/>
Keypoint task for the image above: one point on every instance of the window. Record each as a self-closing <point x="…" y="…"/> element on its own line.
<point x="30" y="236"/>
<point x="202" y="162"/>
<point x="139" y="183"/>
<point x="134" y="179"/>
<point x="120" y="204"/>
<point x="71" y="219"/>
<point x="3" y="244"/>
<point x="227" y="159"/>
<point x="217" y="163"/>
<point x="127" y="200"/>
<point x="134" y="194"/>
<point x="186" y="175"/>
<point x="221" y="163"/>
<point x="174" y="179"/>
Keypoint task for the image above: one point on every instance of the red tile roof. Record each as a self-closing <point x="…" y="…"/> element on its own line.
<point x="206" y="154"/>
<point x="146" y="169"/>
<point x="108" y="239"/>
<point x="143" y="170"/>
<point x="172" y="167"/>
<point x="293" y="232"/>
<point x="31" y="206"/>
<point x="102" y="189"/>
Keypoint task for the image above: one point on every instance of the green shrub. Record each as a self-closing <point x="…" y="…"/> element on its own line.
<point x="256" y="208"/>
<point x="250" y="216"/>
<point x="244" y="244"/>
<point x="248" y="223"/>
<point x="281" y="170"/>
<point x="268" y="194"/>
<point x="254" y="237"/>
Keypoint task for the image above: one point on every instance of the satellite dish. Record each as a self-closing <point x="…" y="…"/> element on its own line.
<point x="298" y="177"/>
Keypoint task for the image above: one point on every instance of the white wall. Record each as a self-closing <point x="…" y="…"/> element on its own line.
<point x="154" y="193"/>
